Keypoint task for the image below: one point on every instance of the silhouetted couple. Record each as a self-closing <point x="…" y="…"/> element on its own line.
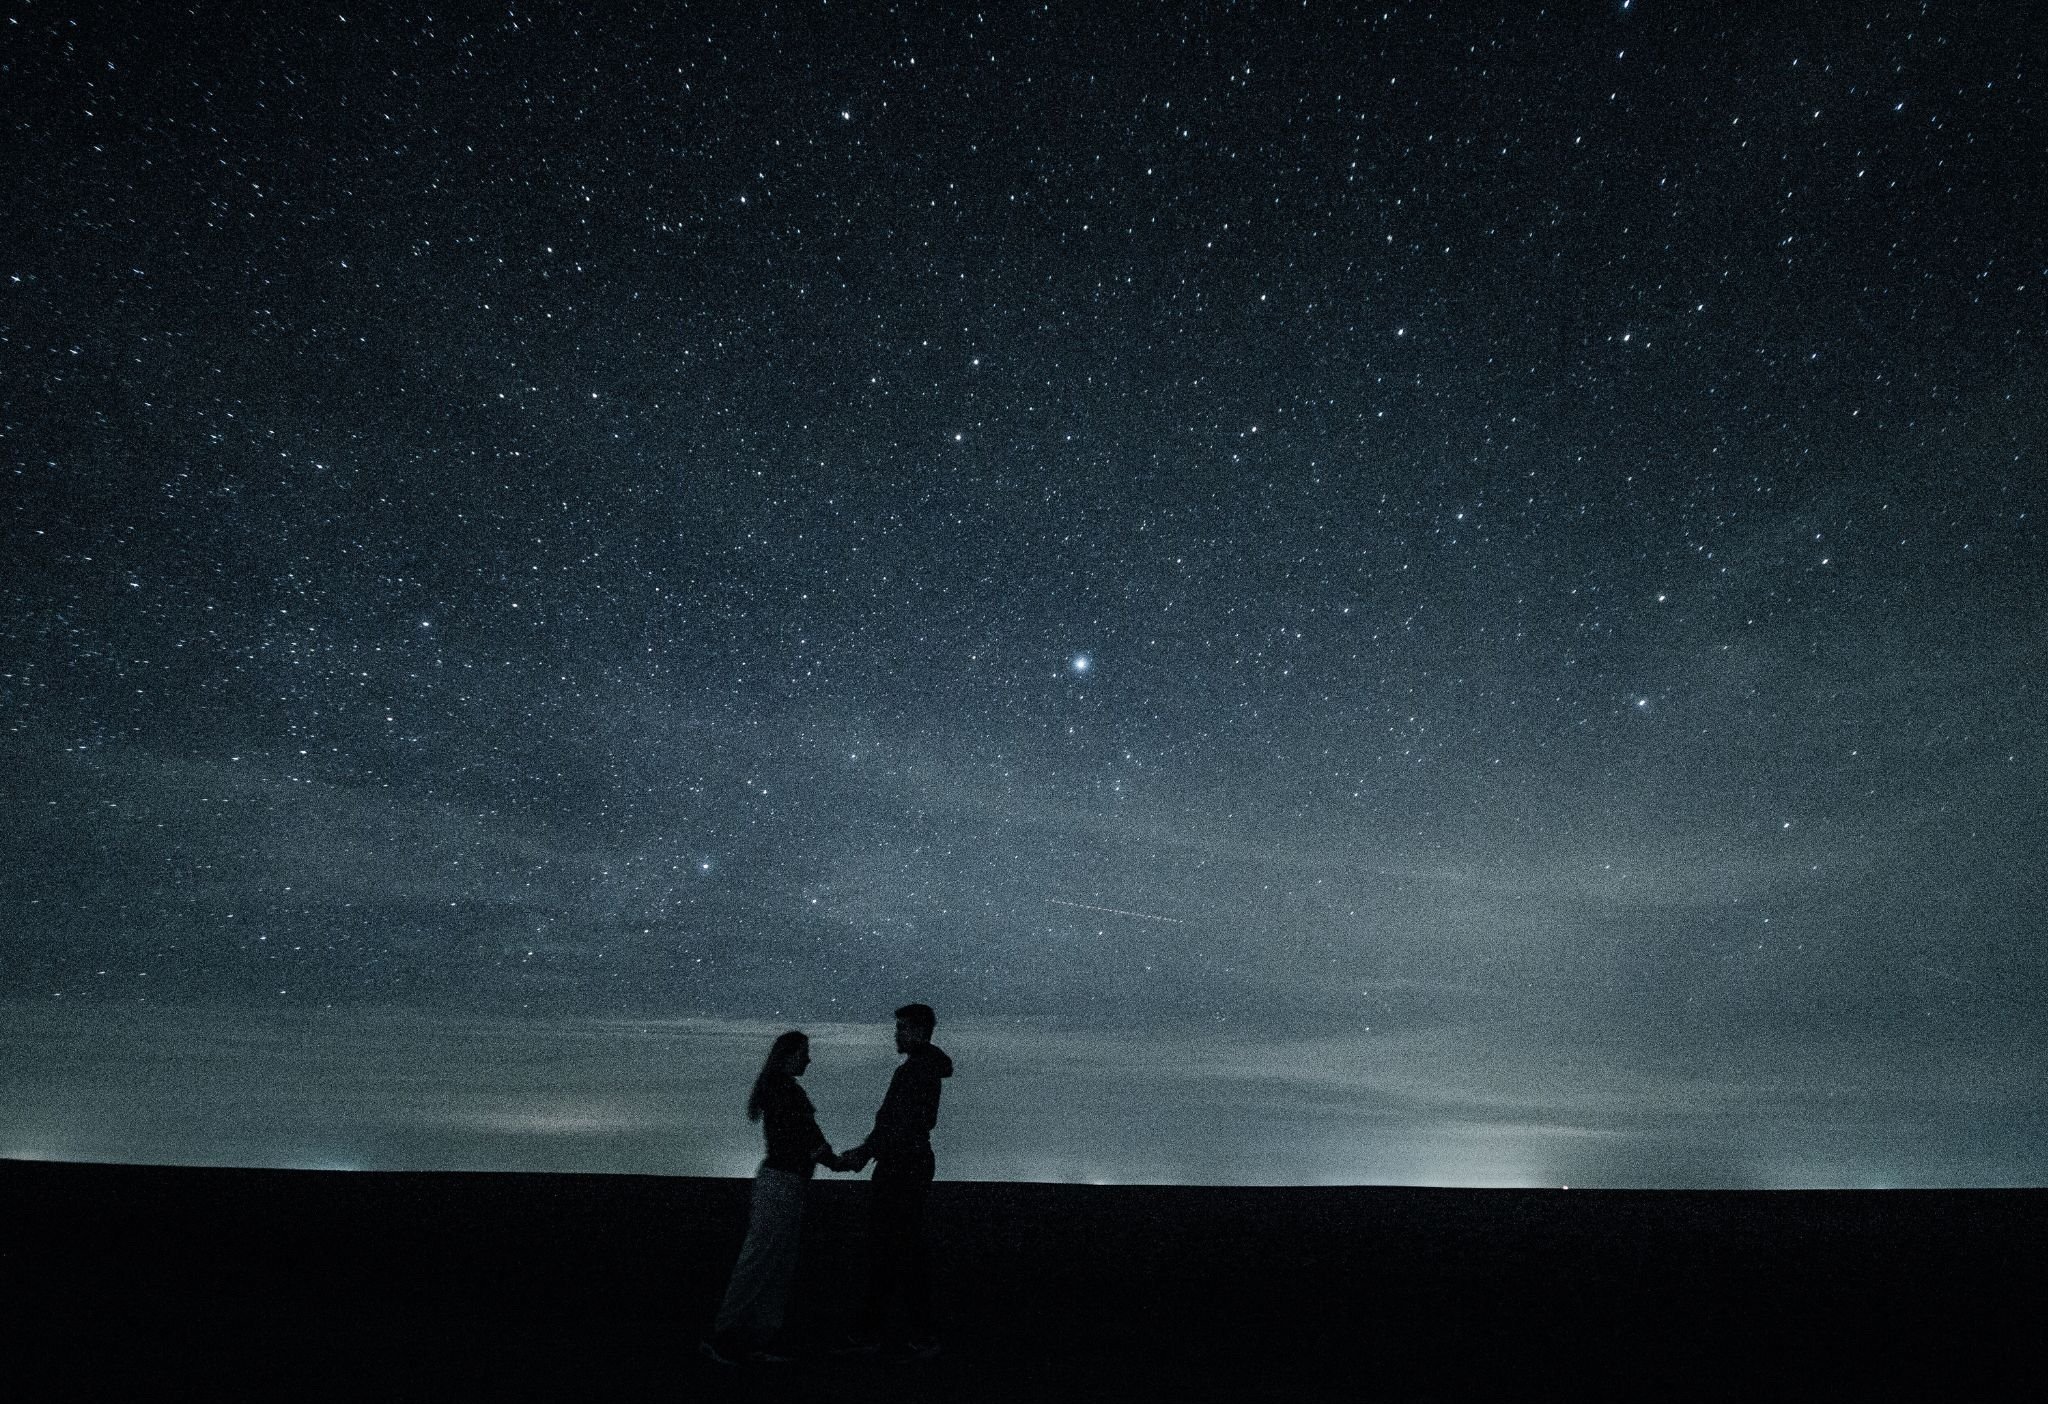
<point x="896" y="1314"/>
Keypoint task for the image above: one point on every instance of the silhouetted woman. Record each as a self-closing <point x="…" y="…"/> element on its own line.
<point x="751" y="1314"/>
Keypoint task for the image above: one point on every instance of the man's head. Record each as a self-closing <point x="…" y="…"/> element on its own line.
<point x="914" y="1025"/>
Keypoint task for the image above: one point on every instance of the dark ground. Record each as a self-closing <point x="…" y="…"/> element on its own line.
<point x="142" y="1281"/>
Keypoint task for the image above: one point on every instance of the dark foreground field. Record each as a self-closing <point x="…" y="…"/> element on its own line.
<point x="298" y="1283"/>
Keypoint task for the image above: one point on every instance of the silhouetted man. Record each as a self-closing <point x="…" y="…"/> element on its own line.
<point x="900" y="1145"/>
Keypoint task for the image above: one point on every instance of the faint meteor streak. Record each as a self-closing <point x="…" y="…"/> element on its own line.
<point x="1949" y="975"/>
<point x="1116" y="911"/>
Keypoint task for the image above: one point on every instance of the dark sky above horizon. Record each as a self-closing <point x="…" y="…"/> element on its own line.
<point x="1443" y="576"/>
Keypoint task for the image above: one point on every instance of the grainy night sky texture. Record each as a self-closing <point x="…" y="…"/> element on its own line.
<point x="1353" y="593"/>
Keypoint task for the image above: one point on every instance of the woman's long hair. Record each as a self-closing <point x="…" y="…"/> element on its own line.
<point x="779" y="1054"/>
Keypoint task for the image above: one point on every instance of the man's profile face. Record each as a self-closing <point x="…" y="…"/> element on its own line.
<point x="908" y="1036"/>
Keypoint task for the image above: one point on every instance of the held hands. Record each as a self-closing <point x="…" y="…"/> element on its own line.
<point x="844" y="1162"/>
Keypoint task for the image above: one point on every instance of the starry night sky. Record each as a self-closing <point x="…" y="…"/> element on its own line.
<point x="1353" y="593"/>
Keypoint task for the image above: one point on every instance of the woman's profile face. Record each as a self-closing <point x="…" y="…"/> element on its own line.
<point x="799" y="1059"/>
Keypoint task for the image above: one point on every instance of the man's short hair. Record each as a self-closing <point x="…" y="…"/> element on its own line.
<point x="919" y="1016"/>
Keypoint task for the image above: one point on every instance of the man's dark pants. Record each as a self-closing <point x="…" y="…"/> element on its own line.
<point x="899" y="1263"/>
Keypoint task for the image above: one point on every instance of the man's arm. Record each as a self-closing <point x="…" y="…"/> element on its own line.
<point x="907" y="1114"/>
<point x="855" y="1158"/>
